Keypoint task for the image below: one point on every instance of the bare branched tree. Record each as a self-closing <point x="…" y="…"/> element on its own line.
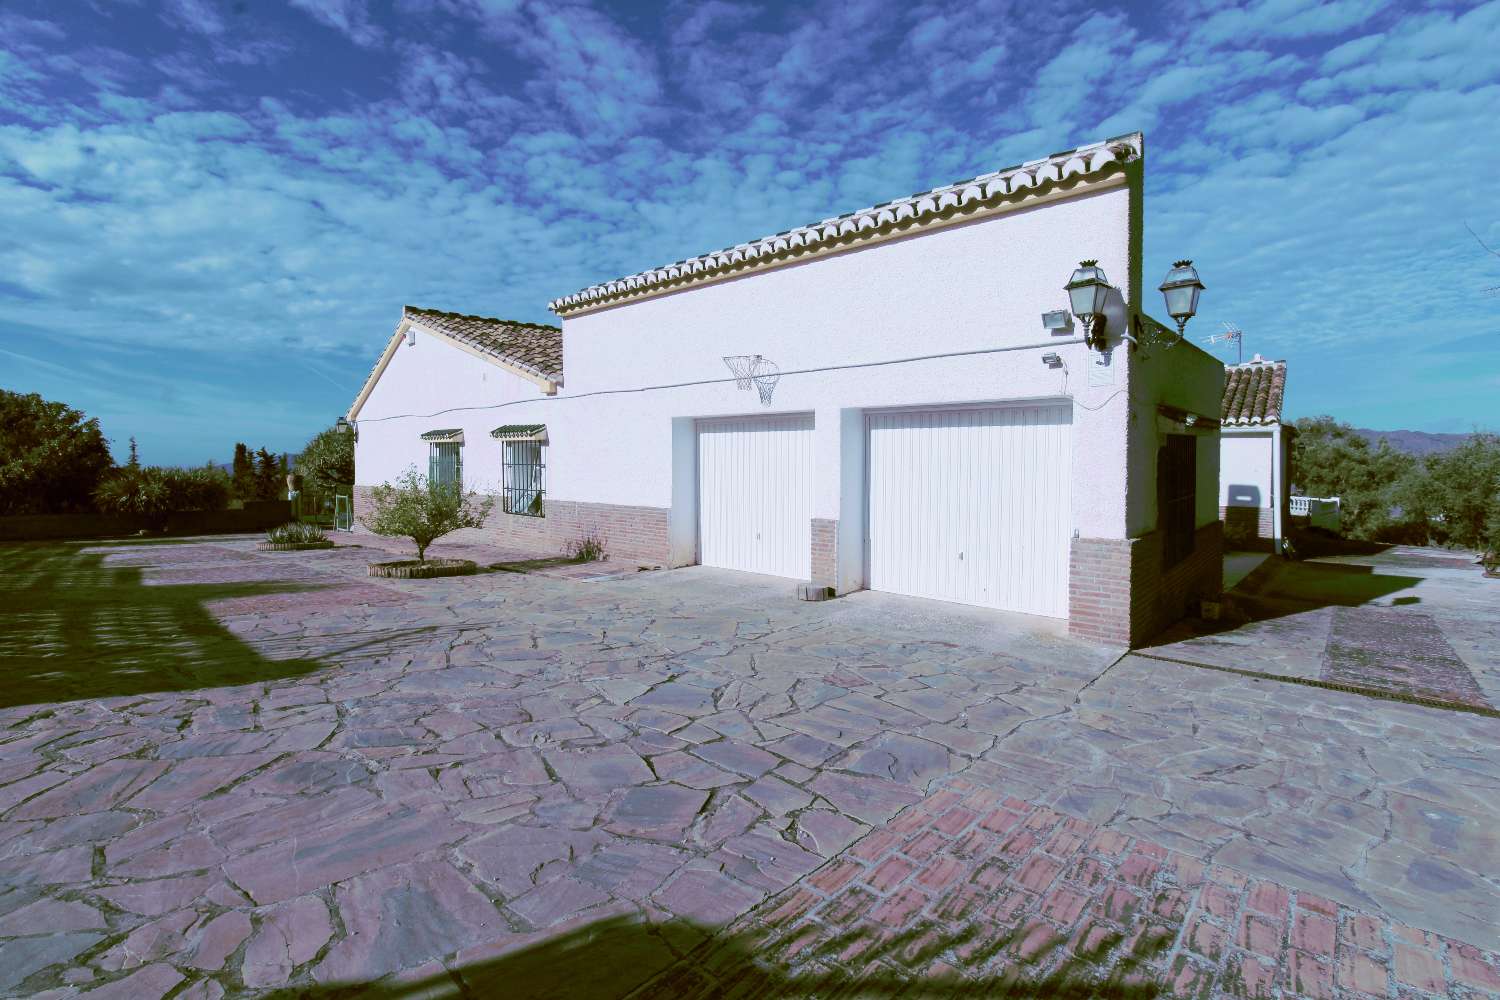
<point x="1493" y="289"/>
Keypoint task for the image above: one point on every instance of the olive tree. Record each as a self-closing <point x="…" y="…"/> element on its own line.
<point x="412" y="507"/>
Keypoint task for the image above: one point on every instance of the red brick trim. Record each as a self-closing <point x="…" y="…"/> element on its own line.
<point x="1119" y="593"/>
<point x="825" y="552"/>
<point x="1248" y="527"/>
<point x="631" y="534"/>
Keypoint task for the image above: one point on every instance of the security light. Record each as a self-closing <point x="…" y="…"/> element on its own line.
<point x="1052" y="359"/>
<point x="1181" y="289"/>
<point x="1057" y="320"/>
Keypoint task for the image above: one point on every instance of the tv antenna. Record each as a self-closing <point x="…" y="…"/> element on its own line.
<point x="1231" y="333"/>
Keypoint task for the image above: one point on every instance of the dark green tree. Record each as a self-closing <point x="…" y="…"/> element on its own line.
<point x="268" y="484"/>
<point x="242" y="473"/>
<point x="327" y="462"/>
<point x="51" y="456"/>
<point x="1330" y="459"/>
<point x="1458" y="492"/>
<point x="135" y="457"/>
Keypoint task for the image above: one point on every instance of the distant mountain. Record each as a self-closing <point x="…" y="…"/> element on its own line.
<point x="1416" y="443"/>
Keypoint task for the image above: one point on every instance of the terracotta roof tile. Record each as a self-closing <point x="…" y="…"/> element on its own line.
<point x="1027" y="180"/>
<point x="533" y="346"/>
<point x="1253" y="391"/>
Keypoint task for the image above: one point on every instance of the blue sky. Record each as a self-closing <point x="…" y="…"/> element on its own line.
<point x="213" y="209"/>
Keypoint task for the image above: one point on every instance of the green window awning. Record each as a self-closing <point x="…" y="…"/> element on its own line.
<point x="520" y="432"/>
<point x="453" y="435"/>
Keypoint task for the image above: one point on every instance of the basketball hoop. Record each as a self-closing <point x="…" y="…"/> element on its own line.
<point x="742" y="365"/>
<point x="765" y="374"/>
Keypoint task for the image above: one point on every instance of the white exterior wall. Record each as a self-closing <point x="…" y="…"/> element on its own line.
<point x="970" y="286"/>
<point x="434" y="377"/>
<point x="973" y="285"/>
<point x="1246" y="460"/>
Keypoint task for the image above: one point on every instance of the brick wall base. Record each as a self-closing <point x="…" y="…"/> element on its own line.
<point x="1248" y="528"/>
<point x="631" y="534"/>
<point x="825" y="552"/>
<point x="1119" y="593"/>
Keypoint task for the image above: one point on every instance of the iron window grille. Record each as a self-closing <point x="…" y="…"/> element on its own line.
<point x="445" y="464"/>
<point x="525" y="478"/>
<point x="1177" y="497"/>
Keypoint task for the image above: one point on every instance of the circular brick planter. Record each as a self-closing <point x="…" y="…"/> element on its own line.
<point x="410" y="569"/>
<point x="293" y="546"/>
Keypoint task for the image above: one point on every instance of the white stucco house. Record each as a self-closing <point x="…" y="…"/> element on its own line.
<point x="1253" y="446"/>
<point x="924" y="431"/>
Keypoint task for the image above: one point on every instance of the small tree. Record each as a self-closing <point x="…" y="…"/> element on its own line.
<point x="327" y="462"/>
<point x="423" y="511"/>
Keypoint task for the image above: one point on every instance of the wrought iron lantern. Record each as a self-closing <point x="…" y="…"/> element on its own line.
<point x="1181" y="289"/>
<point x="1088" y="290"/>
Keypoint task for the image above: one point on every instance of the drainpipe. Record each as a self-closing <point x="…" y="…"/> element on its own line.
<point x="1278" y="485"/>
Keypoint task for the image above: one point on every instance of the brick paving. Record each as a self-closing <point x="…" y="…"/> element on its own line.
<point x="225" y="772"/>
<point x="974" y="893"/>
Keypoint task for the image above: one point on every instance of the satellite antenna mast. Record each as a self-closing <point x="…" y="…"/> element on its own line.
<point x="1231" y="333"/>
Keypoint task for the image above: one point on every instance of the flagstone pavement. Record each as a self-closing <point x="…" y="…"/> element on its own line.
<point x="233" y="773"/>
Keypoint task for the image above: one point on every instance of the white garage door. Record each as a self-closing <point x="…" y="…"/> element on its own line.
<point x="755" y="487"/>
<point x="972" y="506"/>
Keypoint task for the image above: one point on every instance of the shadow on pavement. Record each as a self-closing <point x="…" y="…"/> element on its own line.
<point x="1283" y="588"/>
<point x="621" y="957"/>
<point x="76" y="628"/>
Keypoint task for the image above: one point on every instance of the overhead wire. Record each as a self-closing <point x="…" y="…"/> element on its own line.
<point x="720" y="381"/>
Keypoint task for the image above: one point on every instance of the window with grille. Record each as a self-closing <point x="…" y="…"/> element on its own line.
<point x="1177" y="497"/>
<point x="445" y="464"/>
<point x="525" y="477"/>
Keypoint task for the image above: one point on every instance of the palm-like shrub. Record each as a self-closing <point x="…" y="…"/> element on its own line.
<point x="423" y="511"/>
<point x="296" y="532"/>
<point x="155" y="492"/>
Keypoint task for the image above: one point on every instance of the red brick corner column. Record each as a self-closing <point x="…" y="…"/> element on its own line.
<point x="362" y="505"/>
<point x="825" y="552"/>
<point x="1118" y="592"/>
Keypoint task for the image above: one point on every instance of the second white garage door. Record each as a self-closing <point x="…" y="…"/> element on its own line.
<point x="972" y="506"/>
<point x="755" y="488"/>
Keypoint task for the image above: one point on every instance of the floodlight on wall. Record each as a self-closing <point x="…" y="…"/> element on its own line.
<point x="1058" y="321"/>
<point x="1088" y="291"/>
<point x="1052" y="359"/>
<point x="411" y="336"/>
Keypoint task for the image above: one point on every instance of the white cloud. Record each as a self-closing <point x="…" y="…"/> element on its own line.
<point x="1318" y="163"/>
<point x="348" y="17"/>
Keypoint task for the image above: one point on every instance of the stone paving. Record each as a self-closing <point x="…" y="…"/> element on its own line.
<point x="304" y="780"/>
<point x="1412" y="622"/>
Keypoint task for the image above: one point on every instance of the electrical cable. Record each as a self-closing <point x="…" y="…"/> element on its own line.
<point x="721" y="381"/>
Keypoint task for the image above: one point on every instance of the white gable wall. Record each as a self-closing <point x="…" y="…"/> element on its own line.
<point x="1245" y="469"/>
<point x="428" y="385"/>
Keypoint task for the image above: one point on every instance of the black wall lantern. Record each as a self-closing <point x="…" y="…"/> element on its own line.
<point x="1088" y="290"/>
<point x="1181" y="289"/>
